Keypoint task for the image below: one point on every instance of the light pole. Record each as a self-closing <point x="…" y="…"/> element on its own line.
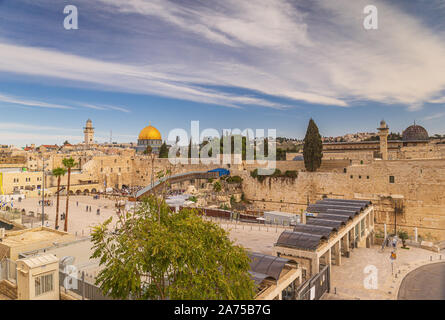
<point x="43" y="192"/>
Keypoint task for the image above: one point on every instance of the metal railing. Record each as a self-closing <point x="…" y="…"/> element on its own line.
<point x="316" y="286"/>
<point x="8" y="270"/>
<point x="81" y="287"/>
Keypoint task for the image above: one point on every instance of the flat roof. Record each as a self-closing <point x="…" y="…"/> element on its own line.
<point x="81" y="250"/>
<point x="34" y="235"/>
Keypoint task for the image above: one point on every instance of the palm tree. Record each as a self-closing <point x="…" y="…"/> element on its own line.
<point x="68" y="163"/>
<point x="58" y="172"/>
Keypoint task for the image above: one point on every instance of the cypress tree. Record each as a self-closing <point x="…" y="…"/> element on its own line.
<point x="163" y="151"/>
<point x="313" y="147"/>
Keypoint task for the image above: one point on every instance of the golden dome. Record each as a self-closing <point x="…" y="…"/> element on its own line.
<point x="150" y="133"/>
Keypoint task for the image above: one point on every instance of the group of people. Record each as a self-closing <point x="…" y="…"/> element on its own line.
<point x="89" y="208"/>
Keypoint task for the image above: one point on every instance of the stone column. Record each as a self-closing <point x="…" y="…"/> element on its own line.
<point x="329" y="257"/>
<point x="384" y="230"/>
<point x="345" y="245"/>
<point x="315" y="266"/>
<point x="337" y="252"/>
<point x="416" y="237"/>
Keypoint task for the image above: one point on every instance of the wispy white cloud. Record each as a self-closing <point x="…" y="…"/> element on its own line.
<point x="435" y="116"/>
<point x="105" y="107"/>
<point x="437" y="100"/>
<point x="30" y="103"/>
<point x="317" y="53"/>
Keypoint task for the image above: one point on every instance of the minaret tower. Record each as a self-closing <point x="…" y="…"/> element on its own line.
<point x="383" y="134"/>
<point x="89" y="132"/>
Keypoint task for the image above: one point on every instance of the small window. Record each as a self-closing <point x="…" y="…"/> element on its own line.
<point x="359" y="177"/>
<point x="352" y="176"/>
<point x="367" y="177"/>
<point x="344" y="170"/>
<point x="44" y="284"/>
<point x="391" y="179"/>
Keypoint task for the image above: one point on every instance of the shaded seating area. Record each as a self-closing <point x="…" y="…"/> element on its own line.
<point x="300" y="240"/>
<point x="265" y="266"/>
<point x="324" y="231"/>
<point x="333" y="228"/>
<point x="276" y="278"/>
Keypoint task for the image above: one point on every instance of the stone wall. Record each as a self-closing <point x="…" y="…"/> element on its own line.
<point x="419" y="183"/>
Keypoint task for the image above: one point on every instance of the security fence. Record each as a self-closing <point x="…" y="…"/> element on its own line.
<point x="316" y="286"/>
<point x="80" y="286"/>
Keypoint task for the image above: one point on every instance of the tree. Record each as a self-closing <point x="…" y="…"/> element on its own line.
<point x="403" y="235"/>
<point x="217" y="186"/>
<point x="163" y="151"/>
<point x="68" y="163"/>
<point x="58" y="172"/>
<point x="182" y="257"/>
<point x="312" y="148"/>
<point x="148" y="150"/>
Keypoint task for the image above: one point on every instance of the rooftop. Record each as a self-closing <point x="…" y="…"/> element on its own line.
<point x="35" y="235"/>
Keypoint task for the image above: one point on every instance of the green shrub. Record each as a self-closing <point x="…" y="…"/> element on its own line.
<point x="234" y="179"/>
<point x="217" y="186"/>
<point x="291" y="174"/>
<point x="193" y="199"/>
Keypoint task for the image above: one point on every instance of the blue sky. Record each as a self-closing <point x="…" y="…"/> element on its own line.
<point x="227" y="63"/>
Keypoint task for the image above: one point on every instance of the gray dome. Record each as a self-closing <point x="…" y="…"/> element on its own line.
<point x="415" y="133"/>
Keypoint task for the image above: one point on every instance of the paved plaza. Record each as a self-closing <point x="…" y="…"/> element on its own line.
<point x="348" y="279"/>
<point x="80" y="221"/>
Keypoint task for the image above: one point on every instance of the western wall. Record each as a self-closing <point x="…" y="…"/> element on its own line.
<point x="414" y="189"/>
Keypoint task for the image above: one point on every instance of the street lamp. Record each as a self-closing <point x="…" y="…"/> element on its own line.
<point x="43" y="192"/>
